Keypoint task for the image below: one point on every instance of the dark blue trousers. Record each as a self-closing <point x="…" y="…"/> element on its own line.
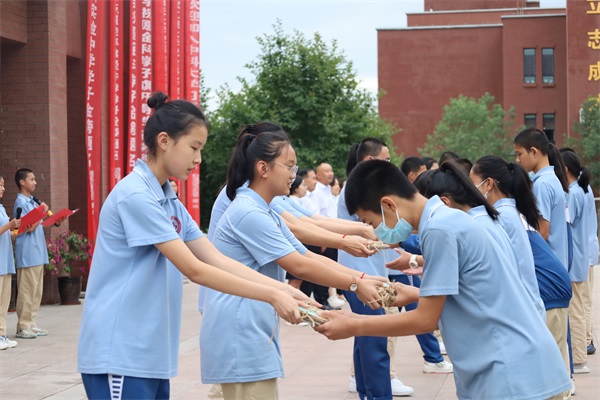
<point x="115" y="387"/>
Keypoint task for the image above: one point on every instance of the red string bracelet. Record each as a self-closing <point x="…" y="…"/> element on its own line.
<point x="363" y="274"/>
<point x="343" y="237"/>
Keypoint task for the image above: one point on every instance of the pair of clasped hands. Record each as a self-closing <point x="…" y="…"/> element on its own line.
<point x="340" y="322"/>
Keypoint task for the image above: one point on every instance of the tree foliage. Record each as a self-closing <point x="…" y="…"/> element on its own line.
<point x="472" y="128"/>
<point x="587" y="145"/>
<point x="309" y="88"/>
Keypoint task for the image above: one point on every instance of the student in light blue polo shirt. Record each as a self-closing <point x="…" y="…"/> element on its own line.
<point x="452" y="184"/>
<point x="129" y="339"/>
<point x="240" y="338"/>
<point x="30" y="255"/>
<point x="487" y="323"/>
<point x="532" y="151"/>
<point x="508" y="187"/>
<point x="7" y="268"/>
<point x="579" y="180"/>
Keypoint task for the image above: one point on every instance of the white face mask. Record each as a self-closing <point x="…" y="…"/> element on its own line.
<point x="481" y="183"/>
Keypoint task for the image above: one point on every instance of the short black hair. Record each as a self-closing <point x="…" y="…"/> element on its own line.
<point x="411" y="164"/>
<point x="533" y="137"/>
<point x="429" y="162"/>
<point x="373" y="179"/>
<point x="448" y="155"/>
<point x="304" y="172"/>
<point x="22" y="174"/>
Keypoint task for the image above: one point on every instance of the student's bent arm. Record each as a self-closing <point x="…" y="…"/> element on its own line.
<point x="316" y="236"/>
<point x="423" y="319"/>
<point x="204" y="274"/>
<point x="342" y="226"/>
<point x="310" y="268"/>
<point x="206" y="252"/>
<point x="544" y="228"/>
<point x="12" y="224"/>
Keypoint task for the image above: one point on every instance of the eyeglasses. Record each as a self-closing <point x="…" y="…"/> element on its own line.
<point x="292" y="169"/>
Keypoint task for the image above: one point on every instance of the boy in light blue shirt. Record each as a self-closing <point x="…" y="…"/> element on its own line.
<point x="31" y="255"/>
<point x="532" y="149"/>
<point x="486" y="322"/>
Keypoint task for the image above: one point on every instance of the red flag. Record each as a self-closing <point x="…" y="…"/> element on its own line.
<point x="192" y="92"/>
<point x="93" y="109"/>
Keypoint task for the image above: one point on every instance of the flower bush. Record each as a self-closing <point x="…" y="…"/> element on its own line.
<point x="67" y="251"/>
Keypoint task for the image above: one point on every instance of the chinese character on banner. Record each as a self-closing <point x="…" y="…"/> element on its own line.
<point x="594" y="72"/>
<point x="594" y="39"/>
<point x="594" y="7"/>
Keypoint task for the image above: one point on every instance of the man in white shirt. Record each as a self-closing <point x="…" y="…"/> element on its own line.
<point x="322" y="196"/>
<point x="310" y="178"/>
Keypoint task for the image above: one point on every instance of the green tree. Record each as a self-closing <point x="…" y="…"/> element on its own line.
<point x="587" y="144"/>
<point x="310" y="89"/>
<point x="472" y="128"/>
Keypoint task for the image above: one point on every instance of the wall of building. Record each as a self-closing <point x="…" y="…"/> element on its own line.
<point x="475" y="17"/>
<point x="537" y="32"/>
<point x="13" y="17"/>
<point x="421" y="69"/>
<point x="441" y="5"/>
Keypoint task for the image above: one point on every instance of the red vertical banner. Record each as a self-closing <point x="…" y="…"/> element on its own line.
<point x="93" y="109"/>
<point x="134" y="83"/>
<point x="175" y="59"/>
<point x="116" y="91"/>
<point x="192" y="92"/>
<point x="161" y="45"/>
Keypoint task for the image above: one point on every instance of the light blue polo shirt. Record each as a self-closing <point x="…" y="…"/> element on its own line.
<point x="239" y="340"/>
<point x="7" y="260"/>
<point x="499" y="345"/>
<point x="510" y="221"/>
<point x="592" y="217"/>
<point x="373" y="265"/>
<point x="284" y="203"/>
<point x="580" y="234"/>
<point x="551" y="201"/>
<point x="132" y="311"/>
<point x="30" y="248"/>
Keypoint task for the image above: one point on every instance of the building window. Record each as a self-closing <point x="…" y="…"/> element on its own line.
<point x="529" y="65"/>
<point x="548" y="66"/>
<point x="549" y="125"/>
<point x="530" y="120"/>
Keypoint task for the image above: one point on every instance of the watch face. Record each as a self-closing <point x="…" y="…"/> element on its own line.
<point x="353" y="287"/>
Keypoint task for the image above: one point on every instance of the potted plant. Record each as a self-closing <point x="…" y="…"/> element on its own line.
<point x="68" y="255"/>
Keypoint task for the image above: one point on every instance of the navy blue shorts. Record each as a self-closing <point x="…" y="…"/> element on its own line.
<point x="118" y="387"/>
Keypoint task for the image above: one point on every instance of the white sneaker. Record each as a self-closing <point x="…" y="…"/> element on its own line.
<point x="335" y="302"/>
<point x="39" y="331"/>
<point x="9" y="343"/>
<point x="400" y="389"/>
<point x="443" y="367"/>
<point x="3" y="346"/>
<point x="573" y="390"/>
<point x="442" y="348"/>
<point x="581" y="368"/>
<point x="352" y="384"/>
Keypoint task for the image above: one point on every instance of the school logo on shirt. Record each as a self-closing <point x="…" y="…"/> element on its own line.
<point x="176" y="223"/>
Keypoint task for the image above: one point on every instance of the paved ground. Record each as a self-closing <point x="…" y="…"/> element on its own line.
<point x="45" y="368"/>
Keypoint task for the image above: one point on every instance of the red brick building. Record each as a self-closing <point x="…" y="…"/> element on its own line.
<point x="544" y="62"/>
<point x="42" y="107"/>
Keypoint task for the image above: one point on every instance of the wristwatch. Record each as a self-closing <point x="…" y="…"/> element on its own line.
<point x="412" y="262"/>
<point x="353" y="285"/>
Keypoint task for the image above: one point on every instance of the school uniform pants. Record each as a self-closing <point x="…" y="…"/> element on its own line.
<point x="557" y="323"/>
<point x="371" y="358"/>
<point x="578" y="321"/>
<point x="428" y="342"/>
<point x="5" y="282"/>
<point x="259" y="390"/>
<point x="587" y="300"/>
<point x="30" y="281"/>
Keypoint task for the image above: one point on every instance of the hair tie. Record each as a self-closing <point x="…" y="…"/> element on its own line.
<point x="249" y="128"/>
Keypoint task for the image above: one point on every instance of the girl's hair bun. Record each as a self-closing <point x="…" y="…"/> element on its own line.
<point x="157" y="100"/>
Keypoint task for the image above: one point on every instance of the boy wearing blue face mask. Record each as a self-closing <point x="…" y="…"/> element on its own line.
<point x="495" y="356"/>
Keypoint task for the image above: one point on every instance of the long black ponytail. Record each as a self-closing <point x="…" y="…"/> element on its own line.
<point x="512" y="180"/>
<point x="573" y="164"/>
<point x="261" y="142"/>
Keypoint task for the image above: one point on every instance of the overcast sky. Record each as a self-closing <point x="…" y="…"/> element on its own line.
<point x="228" y="31"/>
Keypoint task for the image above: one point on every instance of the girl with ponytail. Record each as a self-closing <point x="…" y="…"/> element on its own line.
<point x="262" y="167"/>
<point x="579" y="179"/>
<point x="147" y="241"/>
<point x="508" y="187"/>
<point x="451" y="183"/>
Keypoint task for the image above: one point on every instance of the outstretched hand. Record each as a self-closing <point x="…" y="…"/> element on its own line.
<point x="357" y="246"/>
<point x="341" y="325"/>
<point x="367" y="292"/>
<point x="400" y="263"/>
